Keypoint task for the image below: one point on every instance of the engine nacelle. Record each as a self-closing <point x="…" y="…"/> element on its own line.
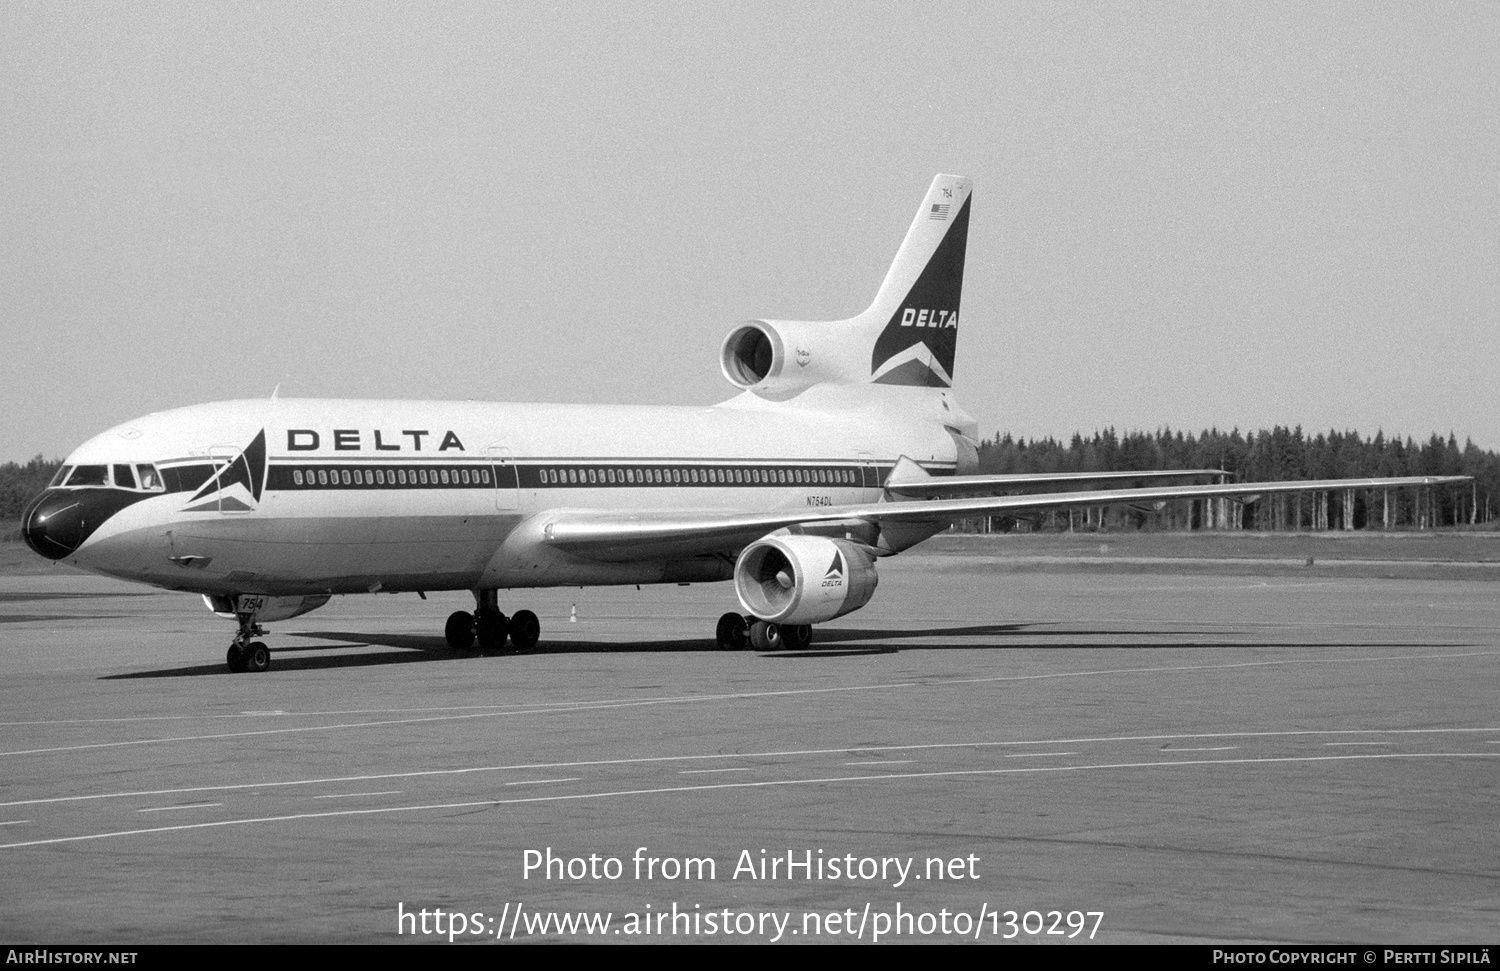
<point x="266" y="609"/>
<point x="777" y="359"/>
<point x="803" y="579"/>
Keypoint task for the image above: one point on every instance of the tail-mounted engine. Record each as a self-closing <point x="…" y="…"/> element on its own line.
<point x="777" y="359"/>
<point x="804" y="579"/>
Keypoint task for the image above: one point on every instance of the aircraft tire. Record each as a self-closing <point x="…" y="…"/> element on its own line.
<point x="491" y="630"/>
<point x="525" y="630"/>
<point x="765" y="636"/>
<point x="236" y="659"/>
<point x="798" y="636"/>
<point x="257" y="657"/>
<point x="459" y="631"/>
<point x="732" y="632"/>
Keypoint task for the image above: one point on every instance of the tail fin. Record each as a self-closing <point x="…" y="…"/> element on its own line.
<point x="917" y="306"/>
<point x="905" y="338"/>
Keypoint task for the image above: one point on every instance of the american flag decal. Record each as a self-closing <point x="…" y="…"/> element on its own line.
<point x="939" y="211"/>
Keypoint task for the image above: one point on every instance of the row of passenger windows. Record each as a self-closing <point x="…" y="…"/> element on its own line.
<point x="655" y="475"/>
<point x="147" y="478"/>
<point x="306" y="478"/>
<point x="534" y="477"/>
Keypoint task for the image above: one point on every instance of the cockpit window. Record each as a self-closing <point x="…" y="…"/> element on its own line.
<point x="61" y="476"/>
<point x="150" y="478"/>
<point x="89" y="475"/>
<point x="124" y="478"/>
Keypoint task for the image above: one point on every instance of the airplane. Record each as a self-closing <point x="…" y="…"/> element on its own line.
<point x="843" y="445"/>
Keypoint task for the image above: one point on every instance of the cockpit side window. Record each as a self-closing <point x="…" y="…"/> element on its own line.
<point x="124" y="478"/>
<point x="61" y="476"/>
<point x="89" y="475"/>
<point x="150" y="478"/>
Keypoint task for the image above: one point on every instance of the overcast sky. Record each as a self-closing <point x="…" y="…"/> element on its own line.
<point x="1188" y="215"/>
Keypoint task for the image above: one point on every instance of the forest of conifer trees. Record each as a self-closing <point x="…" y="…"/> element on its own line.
<point x="1281" y="453"/>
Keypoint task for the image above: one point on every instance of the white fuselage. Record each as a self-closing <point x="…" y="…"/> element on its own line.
<point x="359" y="496"/>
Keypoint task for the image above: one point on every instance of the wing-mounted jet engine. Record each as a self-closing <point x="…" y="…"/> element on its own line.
<point x="788" y="583"/>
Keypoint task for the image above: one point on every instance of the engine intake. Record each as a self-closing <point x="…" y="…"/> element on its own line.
<point x="751" y="354"/>
<point x="803" y="579"/>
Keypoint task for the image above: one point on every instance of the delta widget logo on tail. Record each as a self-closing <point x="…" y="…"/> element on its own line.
<point x="917" y="345"/>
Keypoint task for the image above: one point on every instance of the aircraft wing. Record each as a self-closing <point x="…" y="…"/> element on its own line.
<point x="947" y="486"/>
<point x="604" y="535"/>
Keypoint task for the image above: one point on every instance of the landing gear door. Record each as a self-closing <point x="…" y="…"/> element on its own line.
<point x="507" y="478"/>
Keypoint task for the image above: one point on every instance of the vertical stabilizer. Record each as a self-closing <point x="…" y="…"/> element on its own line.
<point x="917" y="306"/>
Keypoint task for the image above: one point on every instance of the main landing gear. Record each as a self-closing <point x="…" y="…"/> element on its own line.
<point x="490" y="628"/>
<point x="246" y="654"/>
<point x="737" y="632"/>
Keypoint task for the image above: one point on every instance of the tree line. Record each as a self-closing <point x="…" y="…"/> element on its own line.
<point x="1265" y="456"/>
<point x="20" y="483"/>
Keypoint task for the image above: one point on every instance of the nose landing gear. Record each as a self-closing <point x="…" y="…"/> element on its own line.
<point x="246" y="654"/>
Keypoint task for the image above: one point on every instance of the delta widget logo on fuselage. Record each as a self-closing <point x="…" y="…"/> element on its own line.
<point x="237" y="485"/>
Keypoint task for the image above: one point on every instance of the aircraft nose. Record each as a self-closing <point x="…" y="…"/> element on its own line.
<point x="55" y="523"/>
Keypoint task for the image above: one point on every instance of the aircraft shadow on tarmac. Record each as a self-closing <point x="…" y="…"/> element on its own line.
<point x="417" y="649"/>
<point x="19" y="597"/>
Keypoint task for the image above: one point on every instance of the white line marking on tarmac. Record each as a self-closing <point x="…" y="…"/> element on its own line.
<point x="883" y="762"/>
<point x="702" y="771"/>
<point x="1037" y="755"/>
<point x="1212" y="748"/>
<point x="664" y="790"/>
<point x="783" y="753"/>
<point x="351" y="795"/>
<point x="168" y="809"/>
<point x="564" y="707"/>
<point x="537" y="782"/>
<point x="1356" y="743"/>
<point x="14" y="822"/>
